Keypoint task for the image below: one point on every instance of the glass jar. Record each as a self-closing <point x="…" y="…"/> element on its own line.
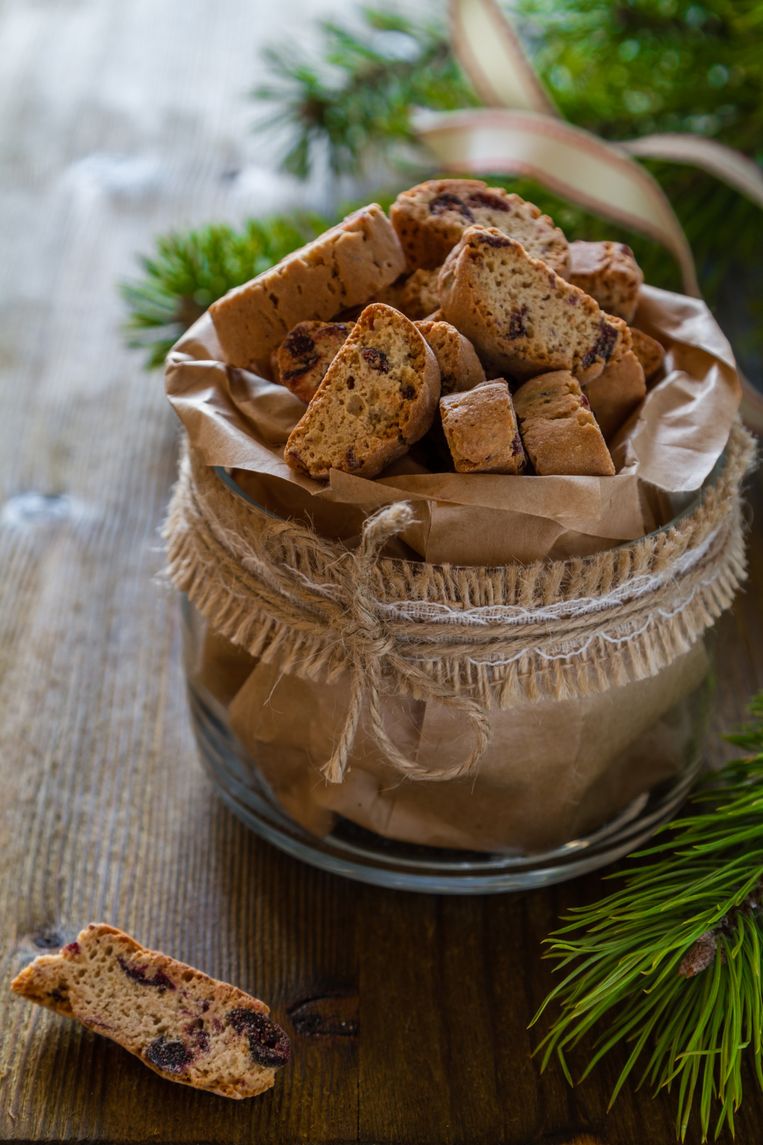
<point x="413" y="835"/>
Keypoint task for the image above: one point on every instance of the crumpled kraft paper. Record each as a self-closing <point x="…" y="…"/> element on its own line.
<point x="240" y="422"/>
<point x="554" y="769"/>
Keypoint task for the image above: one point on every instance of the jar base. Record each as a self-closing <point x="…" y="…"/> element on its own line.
<point x="359" y="854"/>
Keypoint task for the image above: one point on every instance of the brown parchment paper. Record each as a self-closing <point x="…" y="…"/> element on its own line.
<point x="240" y="421"/>
<point x="553" y="769"/>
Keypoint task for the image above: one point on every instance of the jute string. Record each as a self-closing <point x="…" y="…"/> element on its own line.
<point x="471" y="638"/>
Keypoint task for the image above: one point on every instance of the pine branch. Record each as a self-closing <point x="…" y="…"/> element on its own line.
<point x="357" y="98"/>
<point x="189" y="271"/>
<point x="670" y="964"/>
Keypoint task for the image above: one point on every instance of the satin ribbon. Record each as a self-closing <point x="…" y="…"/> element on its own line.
<point x="520" y="132"/>
<point x="491" y="54"/>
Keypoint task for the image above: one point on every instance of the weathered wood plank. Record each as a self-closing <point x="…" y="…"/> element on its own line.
<point x="408" y="1012"/>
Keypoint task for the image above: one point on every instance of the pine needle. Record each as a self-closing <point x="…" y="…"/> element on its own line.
<point x="670" y="963"/>
<point x="189" y="270"/>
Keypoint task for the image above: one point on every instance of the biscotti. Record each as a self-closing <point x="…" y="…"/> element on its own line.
<point x="522" y="317"/>
<point x="481" y="430"/>
<point x="609" y="272"/>
<point x="184" y="1026"/>
<point x="431" y="217"/>
<point x="648" y="351"/>
<point x="616" y="393"/>
<point x="378" y="397"/>
<point x="344" y="267"/>
<point x="415" y="295"/>
<point x="559" y="432"/>
<point x="301" y="361"/>
<point x="460" y="368"/>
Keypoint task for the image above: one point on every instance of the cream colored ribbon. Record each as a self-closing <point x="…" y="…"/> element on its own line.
<point x="520" y="132"/>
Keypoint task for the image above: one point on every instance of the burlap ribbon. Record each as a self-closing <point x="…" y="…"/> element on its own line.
<point x="470" y="638"/>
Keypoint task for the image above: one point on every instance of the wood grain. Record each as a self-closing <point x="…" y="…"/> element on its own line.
<point x="408" y="1012"/>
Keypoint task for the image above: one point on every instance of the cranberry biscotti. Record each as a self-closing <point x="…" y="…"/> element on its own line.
<point x="342" y="268"/>
<point x="378" y="397"/>
<point x="183" y="1025"/>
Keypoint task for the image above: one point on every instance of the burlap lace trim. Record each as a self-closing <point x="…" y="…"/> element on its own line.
<point x="473" y="638"/>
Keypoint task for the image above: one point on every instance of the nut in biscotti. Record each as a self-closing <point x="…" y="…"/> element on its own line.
<point x="460" y="368"/>
<point x="183" y="1025"/>
<point x="378" y="397"/>
<point x="342" y="268"/>
<point x="559" y="432"/>
<point x="301" y="361"/>
<point x="522" y="317"/>
<point x="616" y="393"/>
<point x="609" y="272"/>
<point x="481" y="430"/>
<point x="431" y="218"/>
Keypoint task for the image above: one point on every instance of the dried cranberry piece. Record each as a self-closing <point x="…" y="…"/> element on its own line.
<point x="171" y="1056"/>
<point x="268" y="1043"/>
<point x="517" y="324"/>
<point x="298" y="343"/>
<point x="307" y="364"/>
<point x="376" y="359"/>
<point x="488" y="199"/>
<point x="447" y="201"/>
<point x="603" y="346"/>
<point x="139" y="974"/>
<point x="493" y="240"/>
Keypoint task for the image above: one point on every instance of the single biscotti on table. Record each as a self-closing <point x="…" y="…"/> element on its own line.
<point x="521" y="317"/>
<point x="616" y="393"/>
<point x="648" y="351"/>
<point x="460" y="368"/>
<point x="481" y="430"/>
<point x="559" y="432"/>
<point x="301" y="361"/>
<point x="431" y="218"/>
<point x="609" y="273"/>
<point x="181" y="1024"/>
<point x="415" y="295"/>
<point x="378" y="397"/>
<point x="344" y="267"/>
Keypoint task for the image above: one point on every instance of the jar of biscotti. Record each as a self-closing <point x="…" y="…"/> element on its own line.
<point x="456" y="682"/>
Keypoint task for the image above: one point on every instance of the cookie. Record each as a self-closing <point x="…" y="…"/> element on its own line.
<point x="431" y="218"/>
<point x="414" y="295"/>
<point x="342" y="268"/>
<point x="481" y="430"/>
<point x="307" y="351"/>
<point x="649" y="352"/>
<point x="183" y="1025"/>
<point x="559" y="432"/>
<point x="460" y="368"/>
<point x="616" y="393"/>
<point x="521" y="317"/>
<point x="378" y="397"/>
<point x="609" y="272"/>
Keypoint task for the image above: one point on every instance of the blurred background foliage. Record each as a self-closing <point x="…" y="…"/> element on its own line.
<point x="343" y="111"/>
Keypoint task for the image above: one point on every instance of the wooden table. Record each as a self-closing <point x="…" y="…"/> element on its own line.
<point x="408" y="1012"/>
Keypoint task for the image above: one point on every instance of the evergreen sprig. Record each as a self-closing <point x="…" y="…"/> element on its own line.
<point x="190" y="270"/>
<point x="357" y="97"/>
<point x="670" y="964"/>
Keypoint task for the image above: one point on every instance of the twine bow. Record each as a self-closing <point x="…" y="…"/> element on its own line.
<point x="374" y="656"/>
